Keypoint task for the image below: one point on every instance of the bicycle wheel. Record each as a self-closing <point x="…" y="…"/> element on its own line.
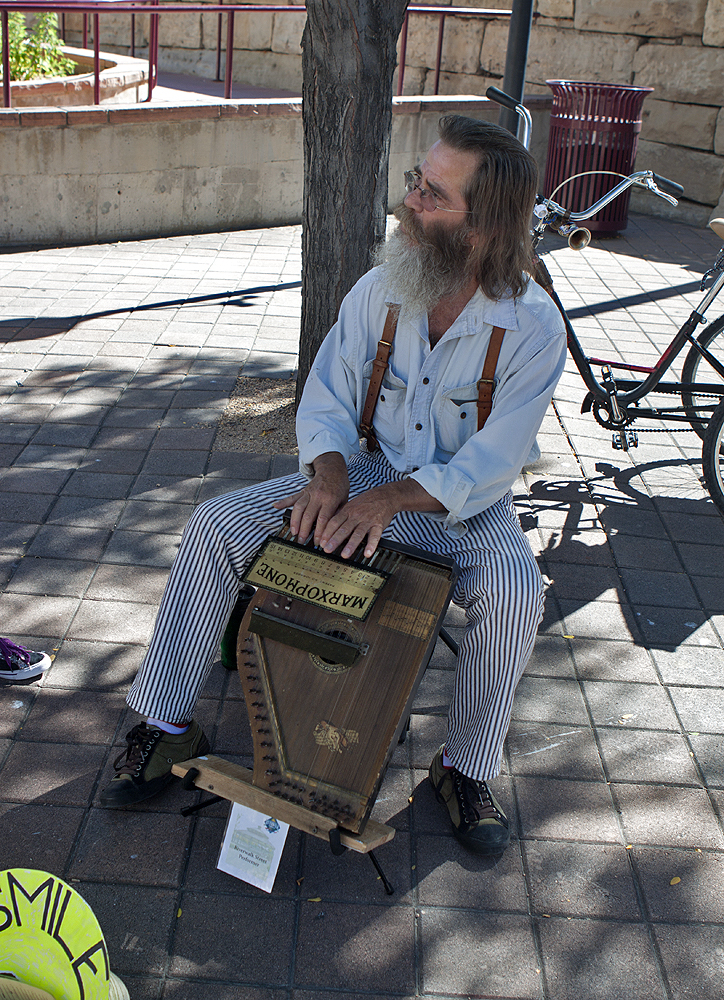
<point x="712" y="457"/>
<point x="698" y="369"/>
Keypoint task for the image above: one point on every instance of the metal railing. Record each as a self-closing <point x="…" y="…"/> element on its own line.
<point x="153" y="8"/>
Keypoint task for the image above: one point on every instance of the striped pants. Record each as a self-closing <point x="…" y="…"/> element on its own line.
<point x="499" y="587"/>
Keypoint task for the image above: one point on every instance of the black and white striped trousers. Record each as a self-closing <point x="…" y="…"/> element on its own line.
<point x="499" y="587"/>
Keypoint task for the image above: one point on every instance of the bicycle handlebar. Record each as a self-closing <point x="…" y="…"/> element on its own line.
<point x="500" y="97"/>
<point x="669" y="187"/>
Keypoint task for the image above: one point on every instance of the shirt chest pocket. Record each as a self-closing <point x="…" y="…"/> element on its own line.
<point x="456" y="416"/>
<point x="389" y="418"/>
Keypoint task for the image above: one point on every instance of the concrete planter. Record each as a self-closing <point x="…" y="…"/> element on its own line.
<point x="123" y="80"/>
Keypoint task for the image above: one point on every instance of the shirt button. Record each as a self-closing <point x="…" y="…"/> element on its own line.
<point x="382" y="399"/>
<point x="426" y="381"/>
<point x="463" y="415"/>
<point x="418" y="427"/>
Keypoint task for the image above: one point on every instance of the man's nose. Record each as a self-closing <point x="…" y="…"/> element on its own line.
<point x="416" y="205"/>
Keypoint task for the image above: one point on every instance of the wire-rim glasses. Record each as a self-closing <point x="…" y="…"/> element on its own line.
<point x="430" y="201"/>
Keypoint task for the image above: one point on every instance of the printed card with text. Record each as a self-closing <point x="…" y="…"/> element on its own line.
<point x="252" y="846"/>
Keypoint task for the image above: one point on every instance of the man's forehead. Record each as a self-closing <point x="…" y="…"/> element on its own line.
<point x="449" y="168"/>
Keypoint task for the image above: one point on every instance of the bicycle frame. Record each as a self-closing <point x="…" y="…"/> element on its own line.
<point x="618" y="394"/>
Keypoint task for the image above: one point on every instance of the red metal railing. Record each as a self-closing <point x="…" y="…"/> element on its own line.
<point x="154" y="8"/>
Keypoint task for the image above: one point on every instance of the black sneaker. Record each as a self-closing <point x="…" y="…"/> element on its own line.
<point x="20" y="665"/>
<point x="144" y="767"/>
<point x="477" y="820"/>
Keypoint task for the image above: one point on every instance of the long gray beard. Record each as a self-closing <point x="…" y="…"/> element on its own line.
<point x="420" y="275"/>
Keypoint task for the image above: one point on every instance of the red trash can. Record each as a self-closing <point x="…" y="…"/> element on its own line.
<point x="594" y="126"/>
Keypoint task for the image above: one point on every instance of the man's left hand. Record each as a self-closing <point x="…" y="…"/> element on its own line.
<point x="369" y="513"/>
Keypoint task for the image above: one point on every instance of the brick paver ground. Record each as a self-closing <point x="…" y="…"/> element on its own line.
<point x="117" y="363"/>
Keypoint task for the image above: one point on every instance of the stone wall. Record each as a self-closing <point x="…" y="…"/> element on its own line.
<point x="675" y="46"/>
<point x="86" y="175"/>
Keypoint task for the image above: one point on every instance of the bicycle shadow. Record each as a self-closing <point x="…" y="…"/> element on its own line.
<point x="616" y="537"/>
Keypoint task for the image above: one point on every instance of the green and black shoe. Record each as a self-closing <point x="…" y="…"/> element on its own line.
<point x="144" y="767"/>
<point x="477" y="820"/>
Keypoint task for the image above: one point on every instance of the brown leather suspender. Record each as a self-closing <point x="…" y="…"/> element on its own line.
<point x="379" y="367"/>
<point x="486" y="383"/>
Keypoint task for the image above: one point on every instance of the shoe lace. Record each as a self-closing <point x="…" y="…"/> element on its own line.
<point x="10" y="649"/>
<point x="476" y="802"/>
<point x="141" y="741"/>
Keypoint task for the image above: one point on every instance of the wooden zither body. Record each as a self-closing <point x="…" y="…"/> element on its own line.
<point x="330" y="655"/>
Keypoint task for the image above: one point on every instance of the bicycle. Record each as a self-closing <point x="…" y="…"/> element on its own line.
<point x="615" y="402"/>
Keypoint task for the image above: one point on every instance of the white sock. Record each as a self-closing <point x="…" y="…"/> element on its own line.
<point x="168" y="727"/>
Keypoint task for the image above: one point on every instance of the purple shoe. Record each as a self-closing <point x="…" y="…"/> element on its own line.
<point x="20" y="665"/>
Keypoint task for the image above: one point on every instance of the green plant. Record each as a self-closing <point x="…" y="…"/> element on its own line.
<point x="38" y="53"/>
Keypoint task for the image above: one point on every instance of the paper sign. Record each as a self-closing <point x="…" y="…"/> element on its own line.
<point x="252" y="847"/>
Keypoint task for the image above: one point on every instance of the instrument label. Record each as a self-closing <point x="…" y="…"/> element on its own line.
<point x="324" y="581"/>
<point x="334" y="739"/>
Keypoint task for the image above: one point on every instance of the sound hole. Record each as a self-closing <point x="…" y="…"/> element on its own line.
<point x="335" y="628"/>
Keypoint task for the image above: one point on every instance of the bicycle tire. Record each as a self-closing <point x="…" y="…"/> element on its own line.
<point x="697" y="369"/>
<point x="712" y="457"/>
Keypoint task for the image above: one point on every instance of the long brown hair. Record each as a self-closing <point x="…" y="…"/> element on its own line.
<point x="500" y="196"/>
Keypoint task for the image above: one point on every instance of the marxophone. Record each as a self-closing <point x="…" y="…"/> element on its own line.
<point x="330" y="654"/>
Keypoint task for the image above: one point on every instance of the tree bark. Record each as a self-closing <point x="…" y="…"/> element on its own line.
<point x="348" y="60"/>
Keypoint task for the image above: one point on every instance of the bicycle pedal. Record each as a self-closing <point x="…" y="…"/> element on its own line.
<point x="623" y="440"/>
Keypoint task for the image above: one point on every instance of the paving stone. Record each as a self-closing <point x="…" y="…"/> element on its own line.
<point x="534" y="748"/>
<point x="125" y="437"/>
<point x="697" y="896"/>
<point x="709" y="755"/>
<point x="55" y="773"/>
<point x="599" y="620"/>
<point x="76" y="717"/>
<point x="36" y="575"/>
<point x="142" y="548"/>
<point x="113" y="460"/>
<point x="584" y="880"/>
<point x="29" y="508"/>
<point x="640" y="706"/>
<point x="566" y="810"/>
<point x="130" y="417"/>
<point x="478" y="954"/>
<point x="136" y="923"/>
<point x="673" y="627"/>
<point x="167" y="462"/>
<point x="370" y="946"/>
<point x="599" y="960"/>
<point x="176" y="489"/>
<point x="667" y="816"/>
<point x="249" y="939"/>
<point x="132" y="847"/>
<point x="692" y="957"/>
<point x="113" y="621"/>
<point x="698" y="666"/>
<point x="197" y="989"/>
<point x="551" y="657"/>
<point x="700" y="709"/>
<point x="38" y="836"/>
<point x="86" y="512"/>
<point x="94" y="666"/>
<point x="104" y="485"/>
<point x="446" y="874"/>
<point x="49" y="616"/>
<point x="549" y="700"/>
<point x="16" y="433"/>
<point x="69" y="542"/>
<point x="649" y="756"/>
<point x="614" y="660"/>
<point x="128" y="583"/>
<point x="70" y="435"/>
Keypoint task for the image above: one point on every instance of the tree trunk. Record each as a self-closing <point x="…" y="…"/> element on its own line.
<point x="348" y="62"/>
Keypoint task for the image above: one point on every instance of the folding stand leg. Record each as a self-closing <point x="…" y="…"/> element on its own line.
<point x="388" y="888"/>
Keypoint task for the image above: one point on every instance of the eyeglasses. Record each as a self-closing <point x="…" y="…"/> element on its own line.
<point x="430" y="201"/>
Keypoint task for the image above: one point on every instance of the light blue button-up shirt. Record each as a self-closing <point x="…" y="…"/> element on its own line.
<point x="426" y="416"/>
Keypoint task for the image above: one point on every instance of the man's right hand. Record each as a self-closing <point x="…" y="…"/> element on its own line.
<point x="320" y="499"/>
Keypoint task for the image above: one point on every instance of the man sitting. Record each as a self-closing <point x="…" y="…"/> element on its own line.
<point x="456" y="268"/>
